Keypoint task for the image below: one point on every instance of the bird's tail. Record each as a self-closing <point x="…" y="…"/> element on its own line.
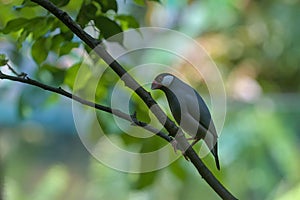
<point x="214" y="151"/>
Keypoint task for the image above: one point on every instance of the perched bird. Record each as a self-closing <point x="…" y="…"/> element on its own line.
<point x="189" y="110"/>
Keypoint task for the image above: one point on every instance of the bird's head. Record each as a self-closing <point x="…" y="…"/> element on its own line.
<point x="162" y="80"/>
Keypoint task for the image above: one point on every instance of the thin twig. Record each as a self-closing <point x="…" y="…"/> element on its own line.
<point x="130" y="118"/>
<point x="144" y="95"/>
<point x="15" y="72"/>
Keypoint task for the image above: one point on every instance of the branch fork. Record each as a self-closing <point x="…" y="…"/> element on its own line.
<point x="130" y="82"/>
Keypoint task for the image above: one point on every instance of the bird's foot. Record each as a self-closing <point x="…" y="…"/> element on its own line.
<point x="174" y="144"/>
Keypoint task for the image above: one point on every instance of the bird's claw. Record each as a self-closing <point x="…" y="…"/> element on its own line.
<point x="174" y="144"/>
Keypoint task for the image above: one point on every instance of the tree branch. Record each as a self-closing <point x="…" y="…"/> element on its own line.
<point x="130" y="118"/>
<point x="144" y="95"/>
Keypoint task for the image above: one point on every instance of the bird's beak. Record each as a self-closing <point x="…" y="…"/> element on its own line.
<point x="155" y="85"/>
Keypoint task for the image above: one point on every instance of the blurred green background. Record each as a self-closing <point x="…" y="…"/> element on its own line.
<point x="256" y="47"/>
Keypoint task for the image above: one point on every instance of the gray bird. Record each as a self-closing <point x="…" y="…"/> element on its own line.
<point x="189" y="110"/>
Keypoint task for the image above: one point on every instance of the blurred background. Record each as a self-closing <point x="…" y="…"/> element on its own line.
<point x="256" y="47"/>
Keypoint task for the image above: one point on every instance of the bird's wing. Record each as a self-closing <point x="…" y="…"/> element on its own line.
<point x="201" y="113"/>
<point x="192" y="126"/>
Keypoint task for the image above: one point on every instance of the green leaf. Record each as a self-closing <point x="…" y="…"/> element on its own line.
<point x="15" y="25"/>
<point x="24" y="34"/>
<point x="39" y="26"/>
<point x="86" y="77"/>
<point x="56" y="42"/>
<point x="60" y="3"/>
<point x="107" y="5"/>
<point x="108" y="28"/>
<point x="86" y="14"/>
<point x="39" y="50"/>
<point x="60" y="45"/>
<point x="140" y="2"/>
<point x="71" y="75"/>
<point x="25" y="3"/>
<point x="127" y="21"/>
<point x="143" y="2"/>
<point x="67" y="47"/>
<point x="3" y="60"/>
<point x="68" y="35"/>
<point x="178" y="170"/>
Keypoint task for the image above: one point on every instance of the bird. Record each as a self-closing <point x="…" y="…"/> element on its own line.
<point x="189" y="111"/>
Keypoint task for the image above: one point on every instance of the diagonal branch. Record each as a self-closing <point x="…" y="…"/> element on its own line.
<point x="143" y="94"/>
<point x="130" y="118"/>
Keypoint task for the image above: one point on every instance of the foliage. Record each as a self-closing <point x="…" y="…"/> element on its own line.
<point x="3" y="60"/>
<point x="252" y="42"/>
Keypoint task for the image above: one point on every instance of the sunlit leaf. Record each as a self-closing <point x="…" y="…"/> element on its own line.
<point x="140" y="2"/>
<point x="127" y="21"/>
<point x="137" y="105"/>
<point x="3" y="60"/>
<point x="178" y="170"/>
<point x="128" y="140"/>
<point x="15" y="25"/>
<point x="108" y="5"/>
<point x="71" y="75"/>
<point x="24" y="34"/>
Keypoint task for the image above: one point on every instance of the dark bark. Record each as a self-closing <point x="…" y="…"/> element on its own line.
<point x="170" y="126"/>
